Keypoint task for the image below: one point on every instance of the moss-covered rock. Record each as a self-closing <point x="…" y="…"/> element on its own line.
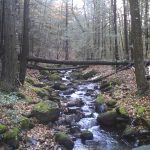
<point x="59" y="86"/>
<point x="100" y="100"/>
<point x="100" y="105"/>
<point x="25" y="122"/>
<point x="46" y="111"/>
<point x="108" y="118"/>
<point x="3" y="128"/>
<point x="89" y="74"/>
<point x="41" y="92"/>
<point x="11" y="138"/>
<point x="140" y="110"/>
<point x="111" y="103"/>
<point x="129" y="132"/>
<point x="11" y="134"/>
<point x="55" y="77"/>
<point x="64" y="140"/>
<point x="121" y="110"/>
<point x="86" y="135"/>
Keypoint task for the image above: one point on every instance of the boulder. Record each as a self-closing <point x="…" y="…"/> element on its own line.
<point x="86" y="135"/>
<point x="111" y="103"/>
<point x="41" y="92"/>
<point x="108" y="118"/>
<point x="129" y="132"/>
<point x="77" y="103"/>
<point x="55" y="77"/>
<point x="25" y="123"/>
<point x="46" y="111"/>
<point x="64" y="140"/>
<point x="11" y="138"/>
<point x="121" y="110"/>
<point x="75" y="130"/>
<point x="59" y="86"/>
<point x="100" y="105"/>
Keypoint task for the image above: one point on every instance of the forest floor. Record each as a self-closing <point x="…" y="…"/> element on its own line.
<point x="124" y="92"/>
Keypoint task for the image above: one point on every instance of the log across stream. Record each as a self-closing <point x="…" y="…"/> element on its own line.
<point x="86" y="93"/>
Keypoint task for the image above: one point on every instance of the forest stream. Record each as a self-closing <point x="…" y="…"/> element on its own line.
<point x="87" y="93"/>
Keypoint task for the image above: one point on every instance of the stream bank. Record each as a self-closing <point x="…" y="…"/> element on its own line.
<point x="77" y="119"/>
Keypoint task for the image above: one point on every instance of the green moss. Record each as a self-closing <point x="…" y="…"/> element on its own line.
<point x="40" y="92"/>
<point x="3" y="128"/>
<point x="140" y="110"/>
<point x="86" y="135"/>
<point x="61" y="136"/>
<point x="100" y="100"/>
<point x="129" y="131"/>
<point x="64" y="140"/>
<point x="44" y="106"/>
<point x="55" y="77"/>
<point x="41" y="107"/>
<point x="122" y="110"/>
<point x="24" y="122"/>
<point x="111" y="103"/>
<point x="11" y="134"/>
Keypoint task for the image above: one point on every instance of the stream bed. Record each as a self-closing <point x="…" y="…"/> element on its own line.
<point x="87" y="92"/>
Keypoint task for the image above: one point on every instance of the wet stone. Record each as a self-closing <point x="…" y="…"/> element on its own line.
<point x="72" y="110"/>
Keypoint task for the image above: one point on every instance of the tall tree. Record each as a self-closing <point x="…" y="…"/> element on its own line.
<point x="115" y="29"/>
<point x="25" y="44"/>
<point x="136" y="30"/>
<point x="66" y="38"/>
<point x="9" y="59"/>
<point x="146" y="26"/>
<point x="126" y="43"/>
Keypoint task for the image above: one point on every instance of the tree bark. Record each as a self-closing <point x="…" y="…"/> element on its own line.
<point x="136" y="30"/>
<point x="126" y="43"/>
<point x="9" y="60"/>
<point x="25" y="45"/>
<point x="66" y="62"/>
<point x="66" y="40"/>
<point x="115" y="29"/>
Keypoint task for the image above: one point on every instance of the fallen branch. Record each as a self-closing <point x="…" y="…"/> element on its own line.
<point x="52" y="69"/>
<point x="84" y="62"/>
<point x="104" y="77"/>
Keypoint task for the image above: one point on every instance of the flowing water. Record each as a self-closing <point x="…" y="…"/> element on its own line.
<point x="102" y="140"/>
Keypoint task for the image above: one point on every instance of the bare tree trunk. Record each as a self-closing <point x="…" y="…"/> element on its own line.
<point x="126" y="31"/>
<point x="146" y="27"/>
<point x="142" y="84"/>
<point x="9" y="60"/>
<point x="66" y="40"/>
<point x="2" y="29"/>
<point x="25" y="45"/>
<point x="115" y="29"/>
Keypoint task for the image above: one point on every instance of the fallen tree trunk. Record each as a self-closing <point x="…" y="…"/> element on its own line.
<point x="35" y="67"/>
<point x="106" y="76"/>
<point x="87" y="62"/>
